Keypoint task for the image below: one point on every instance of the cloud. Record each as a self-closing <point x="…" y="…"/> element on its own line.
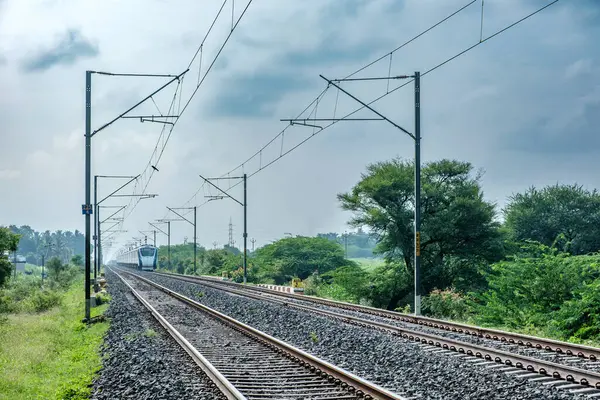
<point x="520" y="106"/>
<point x="579" y="67"/>
<point x="563" y="135"/>
<point x="71" y="47"/>
<point x="330" y="52"/>
<point x="254" y="96"/>
<point x="8" y="174"/>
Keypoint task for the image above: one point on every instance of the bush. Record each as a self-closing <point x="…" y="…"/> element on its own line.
<point x="24" y="293"/>
<point x="312" y="285"/>
<point x="446" y="304"/>
<point x="532" y="285"/>
<point x="7" y="305"/>
<point x="102" y="297"/>
<point x="579" y="318"/>
<point x="77" y="260"/>
<point x="42" y="300"/>
<point x="335" y="292"/>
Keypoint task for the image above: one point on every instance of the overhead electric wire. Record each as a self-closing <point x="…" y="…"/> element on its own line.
<point x="180" y="88"/>
<point x="182" y="110"/>
<point x="207" y="33"/>
<point x="316" y="100"/>
<point x="354" y="73"/>
<point x="466" y="50"/>
<point x="411" y="40"/>
<point x="408" y="82"/>
<point x="216" y="57"/>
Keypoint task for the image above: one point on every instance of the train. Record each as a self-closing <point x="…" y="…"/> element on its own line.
<point x="143" y="258"/>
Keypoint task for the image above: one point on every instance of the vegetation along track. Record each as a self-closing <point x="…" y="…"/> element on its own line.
<point x="532" y="366"/>
<point x="244" y="362"/>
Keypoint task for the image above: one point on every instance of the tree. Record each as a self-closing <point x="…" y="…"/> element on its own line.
<point x="232" y="250"/>
<point x="352" y="279"/>
<point x="564" y="216"/>
<point x="55" y="267"/>
<point x="459" y="234"/>
<point x="182" y="255"/>
<point x="8" y="242"/>
<point x="299" y="257"/>
<point x="77" y="260"/>
<point x="33" y="244"/>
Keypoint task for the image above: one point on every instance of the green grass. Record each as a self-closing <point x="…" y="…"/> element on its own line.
<point x="368" y="264"/>
<point x="50" y="355"/>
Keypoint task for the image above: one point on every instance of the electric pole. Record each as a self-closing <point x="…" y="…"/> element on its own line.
<point x="87" y="207"/>
<point x="252" y="241"/>
<point x="310" y="122"/>
<point x="191" y="223"/>
<point x="417" y="193"/>
<point x="168" y="234"/>
<point x="244" y="204"/>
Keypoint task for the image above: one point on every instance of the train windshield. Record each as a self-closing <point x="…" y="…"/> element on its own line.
<point x="147" y="252"/>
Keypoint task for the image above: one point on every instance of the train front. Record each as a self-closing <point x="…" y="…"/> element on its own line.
<point x="147" y="258"/>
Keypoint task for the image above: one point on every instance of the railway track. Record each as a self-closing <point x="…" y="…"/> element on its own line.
<point x="242" y="361"/>
<point x="578" y="351"/>
<point x="573" y="378"/>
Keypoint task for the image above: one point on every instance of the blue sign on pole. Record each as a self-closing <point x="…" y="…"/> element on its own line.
<point x="86" y="209"/>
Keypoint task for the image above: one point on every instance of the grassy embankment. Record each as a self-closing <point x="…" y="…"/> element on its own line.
<point x="50" y="354"/>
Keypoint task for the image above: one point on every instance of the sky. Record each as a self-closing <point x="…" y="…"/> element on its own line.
<point x="523" y="106"/>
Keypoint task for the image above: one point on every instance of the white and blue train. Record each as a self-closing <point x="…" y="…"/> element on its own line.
<point x="143" y="257"/>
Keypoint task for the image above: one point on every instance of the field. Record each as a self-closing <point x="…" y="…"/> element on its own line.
<point x="51" y="354"/>
<point x="368" y="264"/>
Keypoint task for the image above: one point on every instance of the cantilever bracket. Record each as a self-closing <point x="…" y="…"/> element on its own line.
<point x="305" y="124"/>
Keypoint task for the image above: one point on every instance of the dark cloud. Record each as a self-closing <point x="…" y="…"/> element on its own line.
<point x="334" y="47"/>
<point x="67" y="51"/>
<point x="254" y="96"/>
<point x="579" y="135"/>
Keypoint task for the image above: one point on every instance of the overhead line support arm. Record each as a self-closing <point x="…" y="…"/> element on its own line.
<point x="176" y="78"/>
<point x="121" y="187"/>
<point x="181" y="216"/>
<point x="221" y="190"/>
<point x="369" y="107"/>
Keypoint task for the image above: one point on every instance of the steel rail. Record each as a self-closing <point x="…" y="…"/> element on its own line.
<point x="574" y="349"/>
<point x="355" y="384"/>
<point x="215" y="376"/>
<point x="544" y="368"/>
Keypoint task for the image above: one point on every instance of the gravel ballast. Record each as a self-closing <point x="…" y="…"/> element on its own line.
<point x="141" y="360"/>
<point x="258" y="371"/>
<point x="541" y="354"/>
<point x="392" y="362"/>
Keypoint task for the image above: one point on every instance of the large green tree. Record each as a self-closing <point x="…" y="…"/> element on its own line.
<point x="299" y="257"/>
<point x="459" y="234"/>
<point x="8" y="242"/>
<point x="564" y="216"/>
